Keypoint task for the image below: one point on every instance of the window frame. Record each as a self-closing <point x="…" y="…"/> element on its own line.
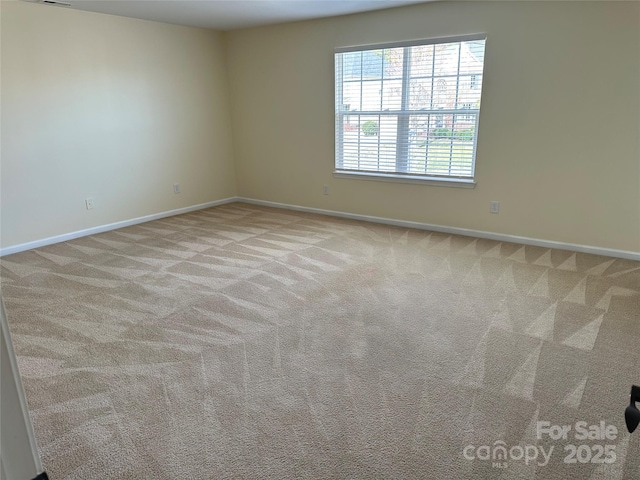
<point x="403" y="176"/>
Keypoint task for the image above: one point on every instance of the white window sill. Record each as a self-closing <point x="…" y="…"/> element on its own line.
<point x="390" y="177"/>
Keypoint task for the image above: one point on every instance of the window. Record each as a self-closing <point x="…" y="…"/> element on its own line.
<point x="467" y="106"/>
<point x="473" y="82"/>
<point x="409" y="110"/>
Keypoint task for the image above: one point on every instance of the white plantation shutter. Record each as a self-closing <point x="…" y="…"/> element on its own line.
<point x="409" y="109"/>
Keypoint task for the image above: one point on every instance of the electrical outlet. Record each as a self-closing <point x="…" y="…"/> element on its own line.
<point x="89" y="203"/>
<point x="176" y="188"/>
<point x="495" y="207"/>
<point x="325" y="190"/>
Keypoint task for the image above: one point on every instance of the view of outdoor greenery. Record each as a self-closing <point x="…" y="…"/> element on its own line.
<point x="411" y="110"/>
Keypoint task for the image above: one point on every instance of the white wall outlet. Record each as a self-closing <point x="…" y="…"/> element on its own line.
<point x="89" y="203"/>
<point x="325" y="190"/>
<point x="176" y="188"/>
<point x="495" y="207"/>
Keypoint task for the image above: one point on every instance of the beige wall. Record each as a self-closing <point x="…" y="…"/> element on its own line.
<point x="559" y="127"/>
<point x="107" y="107"/>
<point x="120" y="109"/>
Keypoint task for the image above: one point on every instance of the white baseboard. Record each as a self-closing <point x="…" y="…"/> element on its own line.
<point x="609" y="252"/>
<point x="112" y="226"/>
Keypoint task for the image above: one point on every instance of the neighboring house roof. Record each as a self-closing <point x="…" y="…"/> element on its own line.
<point x="476" y="48"/>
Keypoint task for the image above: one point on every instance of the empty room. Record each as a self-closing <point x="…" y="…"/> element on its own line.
<point x="314" y="239"/>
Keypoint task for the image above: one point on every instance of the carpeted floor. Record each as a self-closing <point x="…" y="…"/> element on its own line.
<point x="249" y="342"/>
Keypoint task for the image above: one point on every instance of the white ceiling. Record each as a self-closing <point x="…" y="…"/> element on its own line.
<point x="231" y="14"/>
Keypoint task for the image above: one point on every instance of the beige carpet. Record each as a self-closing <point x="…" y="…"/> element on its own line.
<point x="249" y="342"/>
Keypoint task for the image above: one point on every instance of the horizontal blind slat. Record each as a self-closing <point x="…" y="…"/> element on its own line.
<point x="418" y="118"/>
